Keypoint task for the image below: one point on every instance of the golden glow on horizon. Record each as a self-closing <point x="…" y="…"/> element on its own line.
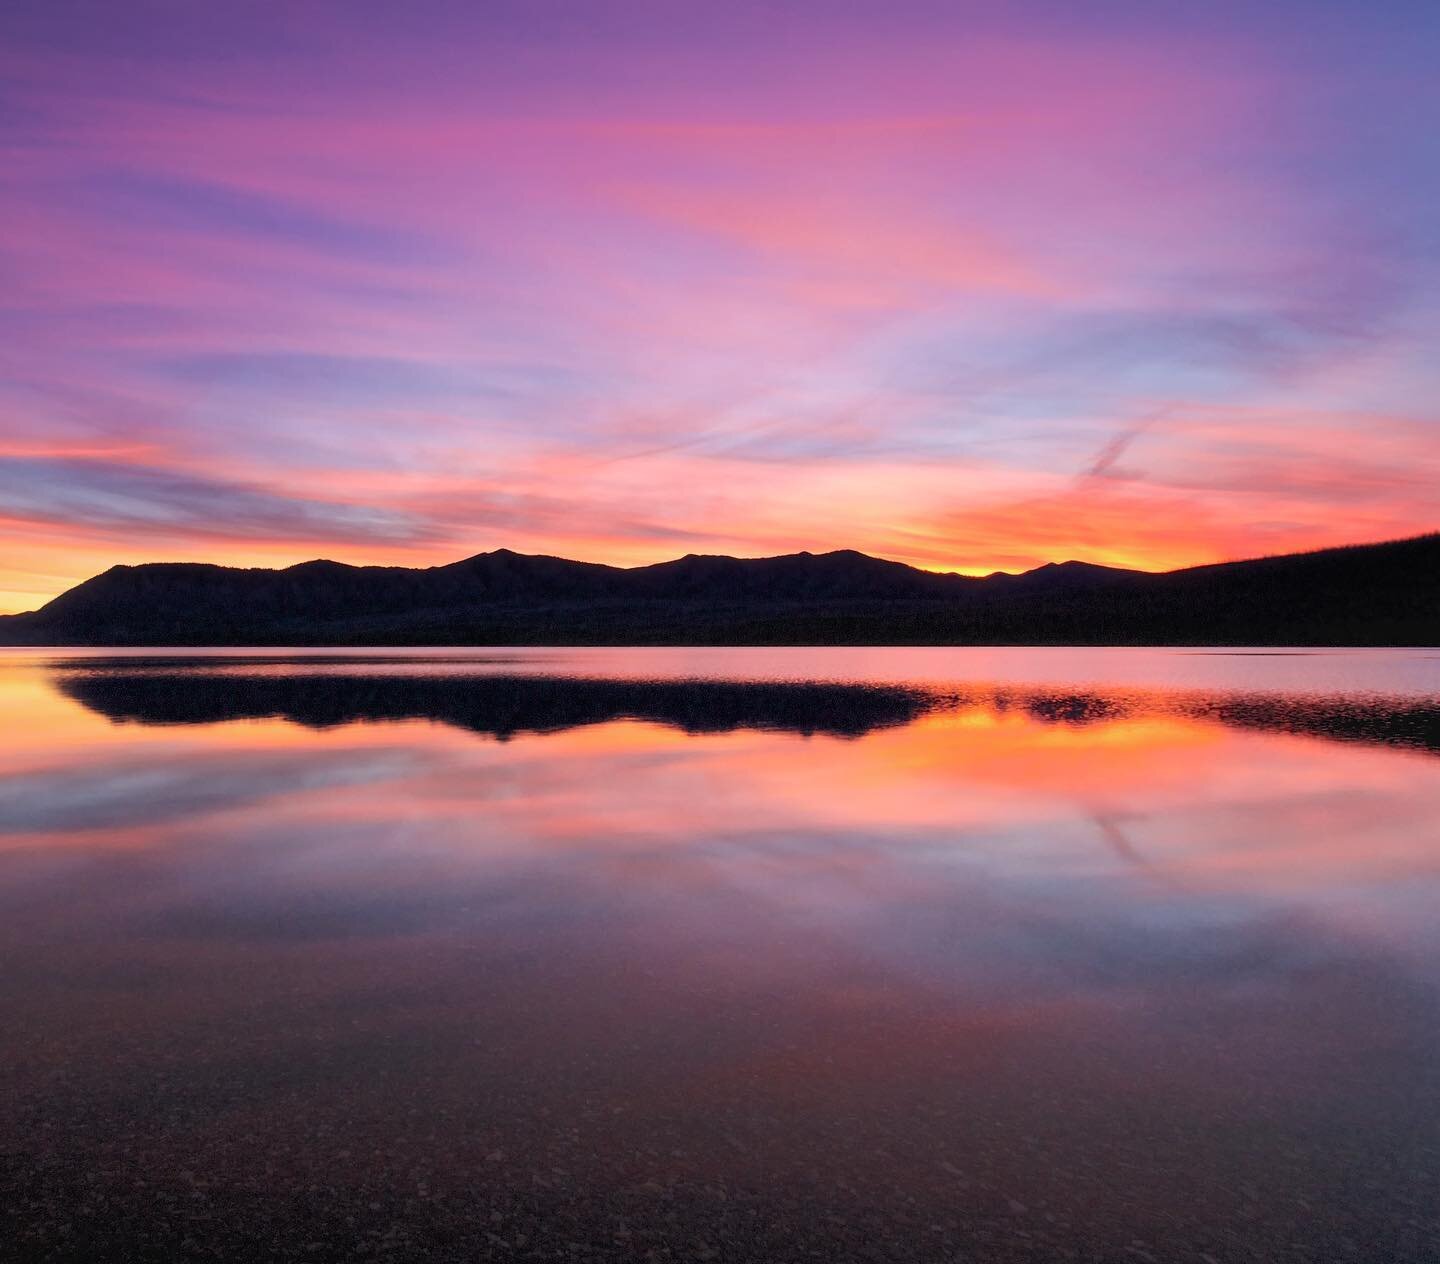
<point x="964" y="515"/>
<point x="29" y="590"/>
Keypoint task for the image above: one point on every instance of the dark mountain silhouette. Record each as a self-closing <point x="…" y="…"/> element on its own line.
<point x="505" y="704"/>
<point x="1377" y="594"/>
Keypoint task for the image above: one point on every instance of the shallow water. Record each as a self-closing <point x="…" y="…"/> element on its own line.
<point x="721" y="954"/>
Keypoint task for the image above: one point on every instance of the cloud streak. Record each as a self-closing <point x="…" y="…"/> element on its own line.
<point x="93" y="494"/>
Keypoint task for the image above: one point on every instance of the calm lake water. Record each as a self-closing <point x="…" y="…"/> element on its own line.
<point x="982" y="955"/>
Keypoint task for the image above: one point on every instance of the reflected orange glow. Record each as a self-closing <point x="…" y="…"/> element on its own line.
<point x="1203" y="803"/>
<point x="710" y="901"/>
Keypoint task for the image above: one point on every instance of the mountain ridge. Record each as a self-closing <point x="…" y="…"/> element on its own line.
<point x="1385" y="593"/>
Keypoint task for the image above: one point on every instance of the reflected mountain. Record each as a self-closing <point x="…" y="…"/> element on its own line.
<point x="1340" y="718"/>
<point x="504" y="705"/>
<point x="501" y="706"/>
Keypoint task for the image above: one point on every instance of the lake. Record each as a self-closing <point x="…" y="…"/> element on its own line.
<point x="782" y="954"/>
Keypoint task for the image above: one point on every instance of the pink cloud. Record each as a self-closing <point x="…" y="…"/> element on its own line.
<point x="890" y="289"/>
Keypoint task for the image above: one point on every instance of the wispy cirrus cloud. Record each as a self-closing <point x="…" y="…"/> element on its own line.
<point x="94" y="494"/>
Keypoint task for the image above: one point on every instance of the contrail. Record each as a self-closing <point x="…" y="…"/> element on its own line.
<point x="1115" y="448"/>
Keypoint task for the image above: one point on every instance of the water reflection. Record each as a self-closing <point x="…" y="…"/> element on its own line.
<point x="300" y="956"/>
<point x="502" y="705"/>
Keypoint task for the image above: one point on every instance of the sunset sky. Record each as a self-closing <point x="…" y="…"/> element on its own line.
<point x="969" y="286"/>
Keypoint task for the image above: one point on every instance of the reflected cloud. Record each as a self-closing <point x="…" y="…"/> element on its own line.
<point x="139" y="791"/>
<point x="1069" y="937"/>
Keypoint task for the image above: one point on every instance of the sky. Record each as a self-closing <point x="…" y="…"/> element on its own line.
<point x="972" y="286"/>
